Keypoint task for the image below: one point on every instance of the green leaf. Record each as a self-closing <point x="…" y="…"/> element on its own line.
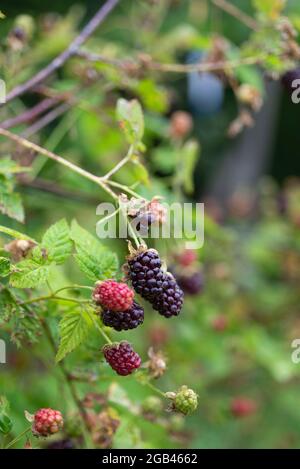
<point x="270" y="8"/>
<point x="11" y="205"/>
<point x="73" y="328"/>
<point x="131" y="119"/>
<point x="57" y="242"/>
<point x="30" y="274"/>
<point x="93" y="259"/>
<point x="9" y="167"/>
<point x="4" y="267"/>
<point x="5" y="424"/>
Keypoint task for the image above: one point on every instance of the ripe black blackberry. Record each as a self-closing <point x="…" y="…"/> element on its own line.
<point x="123" y="320"/>
<point x="146" y="274"/>
<point x="170" y="301"/>
<point x="152" y="283"/>
<point x="191" y="283"/>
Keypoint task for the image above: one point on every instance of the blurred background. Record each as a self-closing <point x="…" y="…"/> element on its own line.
<point x="229" y="139"/>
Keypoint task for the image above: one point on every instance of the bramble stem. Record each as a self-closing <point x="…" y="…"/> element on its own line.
<point x="154" y="388"/>
<point x="71" y="50"/>
<point x="237" y="13"/>
<point x="33" y="146"/>
<point x="104" y="335"/>
<point x="72" y="388"/>
<point x="184" y="68"/>
<point x="119" y="165"/>
<point x="53" y="297"/>
<point x="15" y="440"/>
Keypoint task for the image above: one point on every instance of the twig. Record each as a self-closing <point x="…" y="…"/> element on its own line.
<point x="236" y="13"/>
<point x="91" y="26"/>
<point x="55" y="189"/>
<point x="174" y="67"/>
<point x="46" y="119"/>
<point x="29" y="114"/>
<point x="15" y="440"/>
<point x="119" y="165"/>
<point x="33" y="146"/>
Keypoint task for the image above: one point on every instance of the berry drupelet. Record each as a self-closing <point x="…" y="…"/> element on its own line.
<point x="122" y="358"/>
<point x="123" y="320"/>
<point x="112" y="295"/>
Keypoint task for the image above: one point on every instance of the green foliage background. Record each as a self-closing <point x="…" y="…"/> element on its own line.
<point x="251" y="268"/>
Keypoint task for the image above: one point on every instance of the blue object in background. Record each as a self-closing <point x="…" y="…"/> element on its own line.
<point x="205" y="90"/>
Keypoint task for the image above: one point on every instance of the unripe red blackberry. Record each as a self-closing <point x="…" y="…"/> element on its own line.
<point x="243" y="406"/>
<point x="186" y="257"/>
<point x="112" y="295"/>
<point x="181" y="124"/>
<point x="46" y="422"/>
<point x="191" y="283"/>
<point x="122" y="358"/>
<point x="123" y="320"/>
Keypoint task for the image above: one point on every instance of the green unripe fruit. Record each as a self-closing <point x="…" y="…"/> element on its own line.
<point x="186" y="400"/>
<point x="152" y="405"/>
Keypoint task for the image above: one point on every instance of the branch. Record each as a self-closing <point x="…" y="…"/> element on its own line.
<point x="237" y="13"/>
<point x="91" y="26"/>
<point x="46" y="119"/>
<point x="169" y="67"/>
<point x="29" y="114"/>
<point x="52" y="156"/>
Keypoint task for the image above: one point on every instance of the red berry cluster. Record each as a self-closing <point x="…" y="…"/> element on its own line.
<point x="47" y="422"/>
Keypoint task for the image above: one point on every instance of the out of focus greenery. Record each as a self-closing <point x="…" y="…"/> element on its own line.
<point x="233" y="339"/>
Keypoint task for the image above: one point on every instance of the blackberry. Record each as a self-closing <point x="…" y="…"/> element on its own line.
<point x="124" y="320"/>
<point x="170" y="301"/>
<point x="152" y="283"/>
<point x="122" y="358"/>
<point x="146" y="274"/>
<point x="191" y="283"/>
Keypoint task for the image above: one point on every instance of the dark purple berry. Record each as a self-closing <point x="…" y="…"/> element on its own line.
<point x="152" y="283"/>
<point x="192" y="283"/>
<point x="122" y="358"/>
<point x="124" y="320"/>
<point x="170" y="301"/>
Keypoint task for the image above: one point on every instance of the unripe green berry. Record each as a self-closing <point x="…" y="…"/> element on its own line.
<point x="186" y="400"/>
<point x="153" y="405"/>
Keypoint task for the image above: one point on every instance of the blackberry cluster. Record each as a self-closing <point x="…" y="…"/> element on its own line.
<point x="154" y="285"/>
<point x="124" y="320"/>
<point x="122" y="358"/>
